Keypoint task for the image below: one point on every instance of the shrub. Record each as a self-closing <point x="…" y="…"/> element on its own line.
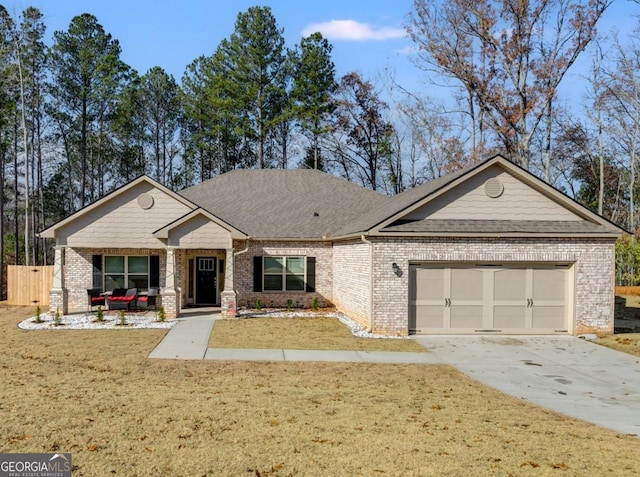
<point x="161" y="314"/>
<point x="38" y="319"/>
<point x="56" y="318"/>
<point x="289" y="304"/>
<point x="315" y="306"/>
<point x="99" y="315"/>
<point x="122" y="318"/>
<point x="259" y="304"/>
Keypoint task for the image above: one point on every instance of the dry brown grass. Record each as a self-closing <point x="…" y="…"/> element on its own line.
<point x="299" y="333"/>
<point x="626" y="342"/>
<point x="95" y="394"/>
<point x="627" y="291"/>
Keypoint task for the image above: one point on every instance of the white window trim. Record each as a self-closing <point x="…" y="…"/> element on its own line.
<point x="284" y="274"/>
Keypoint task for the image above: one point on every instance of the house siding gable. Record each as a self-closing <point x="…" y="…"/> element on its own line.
<point x="518" y="201"/>
<point x="200" y="232"/>
<point x="122" y="222"/>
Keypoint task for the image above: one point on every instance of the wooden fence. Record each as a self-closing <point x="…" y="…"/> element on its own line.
<point x="29" y="286"/>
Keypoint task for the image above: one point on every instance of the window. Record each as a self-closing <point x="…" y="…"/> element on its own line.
<point x="275" y="273"/>
<point x="126" y="272"/>
<point x="284" y="274"/>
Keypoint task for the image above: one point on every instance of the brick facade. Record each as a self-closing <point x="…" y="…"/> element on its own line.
<point x="352" y="280"/>
<point x="243" y="273"/>
<point x="592" y="268"/>
<point x="344" y="278"/>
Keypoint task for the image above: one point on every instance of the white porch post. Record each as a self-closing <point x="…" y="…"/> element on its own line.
<point x="169" y="295"/>
<point x="58" y="294"/>
<point x="228" y="295"/>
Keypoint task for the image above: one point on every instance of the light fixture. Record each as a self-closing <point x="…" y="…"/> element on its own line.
<point x="396" y="269"/>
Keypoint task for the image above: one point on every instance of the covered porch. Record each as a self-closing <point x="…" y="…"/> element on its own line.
<point x="199" y="264"/>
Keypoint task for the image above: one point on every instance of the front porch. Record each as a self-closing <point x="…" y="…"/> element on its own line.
<point x="185" y="277"/>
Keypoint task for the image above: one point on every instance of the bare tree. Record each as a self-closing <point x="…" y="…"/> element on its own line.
<point x="623" y="101"/>
<point x="361" y="139"/>
<point x="509" y="56"/>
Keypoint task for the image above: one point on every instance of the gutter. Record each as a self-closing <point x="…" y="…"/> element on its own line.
<point x="370" y="244"/>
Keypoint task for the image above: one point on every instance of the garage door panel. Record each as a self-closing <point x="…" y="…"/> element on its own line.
<point x="510" y="284"/>
<point x="466" y="316"/>
<point x="466" y="284"/>
<point x="429" y="316"/>
<point x="548" y="284"/>
<point x="548" y="317"/>
<point x="427" y="298"/>
<point x="429" y="284"/>
<point x="509" y="316"/>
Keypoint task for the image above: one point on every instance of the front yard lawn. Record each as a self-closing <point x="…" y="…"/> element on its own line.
<point x="95" y="393"/>
<point x="626" y="342"/>
<point x="299" y="333"/>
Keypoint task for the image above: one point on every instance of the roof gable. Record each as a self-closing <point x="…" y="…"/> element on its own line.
<point x="199" y="229"/>
<point x="493" y="194"/>
<point x="125" y="217"/>
<point x="495" y="197"/>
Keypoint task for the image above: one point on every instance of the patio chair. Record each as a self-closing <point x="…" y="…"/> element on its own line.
<point x="123" y="299"/>
<point x="94" y="298"/>
<point x="145" y="302"/>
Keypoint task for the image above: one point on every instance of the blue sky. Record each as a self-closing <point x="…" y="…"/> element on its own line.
<point x="367" y="35"/>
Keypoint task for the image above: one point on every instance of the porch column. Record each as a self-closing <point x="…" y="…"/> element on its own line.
<point x="228" y="295"/>
<point x="169" y="295"/>
<point x="58" y="295"/>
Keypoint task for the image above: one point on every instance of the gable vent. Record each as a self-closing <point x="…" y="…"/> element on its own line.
<point x="145" y="201"/>
<point x="493" y="188"/>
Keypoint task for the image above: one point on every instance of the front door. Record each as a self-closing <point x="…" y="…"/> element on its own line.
<point x="206" y="281"/>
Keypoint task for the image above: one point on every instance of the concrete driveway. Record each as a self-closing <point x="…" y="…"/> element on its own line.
<point x="562" y="373"/>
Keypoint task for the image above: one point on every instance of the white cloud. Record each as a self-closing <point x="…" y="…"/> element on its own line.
<point x="353" y="30"/>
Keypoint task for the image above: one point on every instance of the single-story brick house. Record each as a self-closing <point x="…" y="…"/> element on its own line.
<point x="487" y="249"/>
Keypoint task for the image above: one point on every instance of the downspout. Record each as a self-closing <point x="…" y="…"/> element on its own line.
<point x="245" y="250"/>
<point x="370" y="244"/>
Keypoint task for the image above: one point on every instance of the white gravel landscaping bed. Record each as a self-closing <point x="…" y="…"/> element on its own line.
<point x="86" y="321"/>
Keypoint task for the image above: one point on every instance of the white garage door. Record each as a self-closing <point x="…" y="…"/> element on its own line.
<point x="488" y="299"/>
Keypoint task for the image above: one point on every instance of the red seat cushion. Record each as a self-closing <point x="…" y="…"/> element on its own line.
<point x="97" y="299"/>
<point x="122" y="298"/>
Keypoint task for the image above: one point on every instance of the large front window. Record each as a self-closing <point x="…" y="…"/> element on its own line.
<point x="284" y="274"/>
<point x="126" y="272"/>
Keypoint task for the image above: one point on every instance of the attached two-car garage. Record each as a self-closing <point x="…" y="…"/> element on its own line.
<point x="488" y="298"/>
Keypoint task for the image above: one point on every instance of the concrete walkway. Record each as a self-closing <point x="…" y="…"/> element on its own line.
<point x="561" y="373"/>
<point x="189" y="339"/>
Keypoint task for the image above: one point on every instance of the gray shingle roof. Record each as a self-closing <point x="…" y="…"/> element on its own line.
<point x="398" y="203"/>
<point x="309" y="204"/>
<point x="296" y="203"/>
<point x="498" y="226"/>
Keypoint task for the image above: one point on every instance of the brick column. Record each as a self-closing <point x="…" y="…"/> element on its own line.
<point x="58" y="297"/>
<point x="169" y="295"/>
<point x="228" y="295"/>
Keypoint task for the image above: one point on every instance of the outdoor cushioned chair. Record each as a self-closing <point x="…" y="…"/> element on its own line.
<point x="123" y="299"/>
<point x="94" y="298"/>
<point x="145" y="302"/>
